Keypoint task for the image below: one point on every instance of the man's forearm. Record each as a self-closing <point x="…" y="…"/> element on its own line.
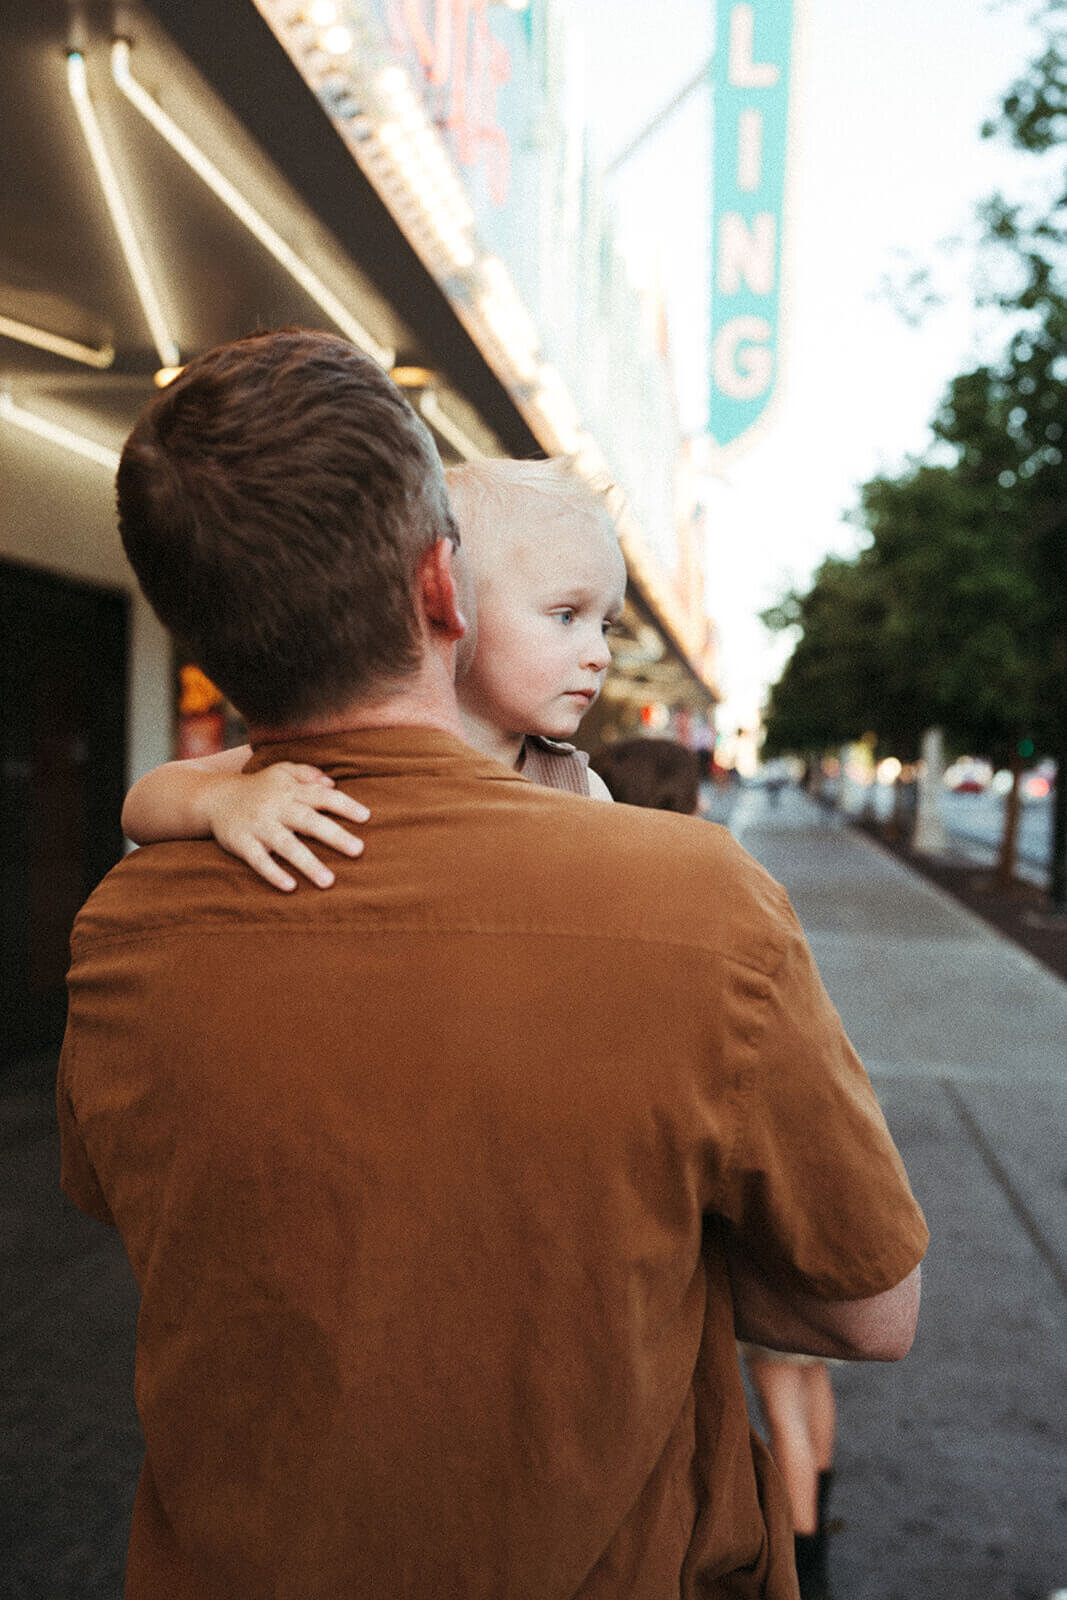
<point x="877" y="1329"/>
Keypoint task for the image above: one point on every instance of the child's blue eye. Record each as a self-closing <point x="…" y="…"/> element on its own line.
<point x="565" y="616"/>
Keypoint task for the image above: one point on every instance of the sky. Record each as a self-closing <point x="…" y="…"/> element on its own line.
<point x="886" y="168"/>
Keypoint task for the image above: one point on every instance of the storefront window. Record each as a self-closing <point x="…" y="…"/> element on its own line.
<point x="206" y="721"/>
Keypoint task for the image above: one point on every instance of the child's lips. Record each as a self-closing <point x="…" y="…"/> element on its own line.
<point x="587" y="696"/>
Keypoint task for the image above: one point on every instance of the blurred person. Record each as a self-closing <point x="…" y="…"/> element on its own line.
<point x="796" y="1397"/>
<point x="776" y="776"/>
<point x="449" y="1194"/>
<point x="660" y="773"/>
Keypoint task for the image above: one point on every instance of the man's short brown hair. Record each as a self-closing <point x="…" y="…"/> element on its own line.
<point x="274" y="503"/>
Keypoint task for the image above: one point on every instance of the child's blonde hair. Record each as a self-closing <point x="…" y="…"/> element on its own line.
<point x="488" y="490"/>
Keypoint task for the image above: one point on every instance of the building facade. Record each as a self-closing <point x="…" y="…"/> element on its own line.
<point x="181" y="172"/>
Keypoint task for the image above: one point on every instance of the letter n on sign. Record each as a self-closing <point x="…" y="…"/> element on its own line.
<point x="750" y="104"/>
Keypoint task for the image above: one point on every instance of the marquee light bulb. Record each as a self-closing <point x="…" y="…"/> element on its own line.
<point x="337" y="41"/>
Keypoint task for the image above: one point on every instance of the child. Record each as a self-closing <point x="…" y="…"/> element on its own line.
<point x="550" y="580"/>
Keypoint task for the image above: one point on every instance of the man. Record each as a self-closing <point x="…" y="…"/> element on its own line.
<point x="445" y="1191"/>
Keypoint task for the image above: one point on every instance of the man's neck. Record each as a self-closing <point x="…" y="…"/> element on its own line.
<point x="424" y="701"/>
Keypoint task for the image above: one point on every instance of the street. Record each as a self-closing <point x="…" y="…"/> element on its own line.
<point x="978" y="819"/>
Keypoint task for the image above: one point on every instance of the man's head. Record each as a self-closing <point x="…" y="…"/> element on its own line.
<point x="275" y="502"/>
<point x="550" y="580"/>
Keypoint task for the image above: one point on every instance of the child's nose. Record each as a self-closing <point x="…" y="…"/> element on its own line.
<point x="598" y="656"/>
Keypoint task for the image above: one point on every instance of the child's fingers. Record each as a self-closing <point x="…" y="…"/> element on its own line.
<point x="291" y="849"/>
<point x="262" y="862"/>
<point x="295" y="779"/>
<point x="315" y="825"/>
<point x="304" y="773"/>
<point x="341" y="804"/>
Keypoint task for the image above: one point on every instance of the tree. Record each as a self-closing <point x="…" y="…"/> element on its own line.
<point x="964" y="597"/>
<point x="955" y="596"/>
<point x="837" y="683"/>
<point x="930" y="622"/>
<point x="928" y="625"/>
<point x="965" y="582"/>
<point x="1033" y="241"/>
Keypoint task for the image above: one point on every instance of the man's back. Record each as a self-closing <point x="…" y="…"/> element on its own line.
<point x="416" y="1179"/>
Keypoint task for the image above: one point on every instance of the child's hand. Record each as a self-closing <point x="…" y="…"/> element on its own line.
<point x="258" y="815"/>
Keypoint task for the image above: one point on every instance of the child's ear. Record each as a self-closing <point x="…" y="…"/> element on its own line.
<point x="444" y="590"/>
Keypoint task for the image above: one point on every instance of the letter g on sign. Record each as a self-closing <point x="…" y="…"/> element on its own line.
<point x="741" y="360"/>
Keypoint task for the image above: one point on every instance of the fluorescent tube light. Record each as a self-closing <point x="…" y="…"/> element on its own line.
<point x="40" y="338"/>
<point x="166" y="348"/>
<point x="245" y="213"/>
<point x="55" y="433"/>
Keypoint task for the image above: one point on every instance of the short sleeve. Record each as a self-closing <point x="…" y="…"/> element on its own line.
<point x="816" y="1188"/>
<point x="77" y="1176"/>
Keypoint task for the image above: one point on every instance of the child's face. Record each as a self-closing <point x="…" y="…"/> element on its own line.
<point x="545" y="603"/>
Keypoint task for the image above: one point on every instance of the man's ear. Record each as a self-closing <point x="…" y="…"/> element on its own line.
<point x="440" y="592"/>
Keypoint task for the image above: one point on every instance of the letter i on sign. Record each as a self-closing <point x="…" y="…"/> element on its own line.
<point x="750" y="101"/>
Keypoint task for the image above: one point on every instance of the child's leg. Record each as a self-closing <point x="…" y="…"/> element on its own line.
<point x="783" y="1395"/>
<point x="821" y="1411"/>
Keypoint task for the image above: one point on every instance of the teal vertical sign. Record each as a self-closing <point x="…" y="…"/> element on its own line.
<point x="750" y="105"/>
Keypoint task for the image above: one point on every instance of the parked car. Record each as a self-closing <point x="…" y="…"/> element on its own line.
<point x="968" y="776"/>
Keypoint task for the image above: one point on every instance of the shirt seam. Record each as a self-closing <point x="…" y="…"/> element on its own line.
<point x="747" y="1074"/>
<point x="88" y="942"/>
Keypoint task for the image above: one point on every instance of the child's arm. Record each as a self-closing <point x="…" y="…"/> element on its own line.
<point x="255" y="816"/>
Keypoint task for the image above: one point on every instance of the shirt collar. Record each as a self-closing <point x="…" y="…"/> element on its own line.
<point x="380" y="751"/>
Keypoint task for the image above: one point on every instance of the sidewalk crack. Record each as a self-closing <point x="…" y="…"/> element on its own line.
<point x="1023" y="1215"/>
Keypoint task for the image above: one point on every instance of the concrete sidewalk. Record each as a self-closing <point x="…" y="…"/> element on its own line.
<point x="71" y="1438"/>
<point x="952" y="1467"/>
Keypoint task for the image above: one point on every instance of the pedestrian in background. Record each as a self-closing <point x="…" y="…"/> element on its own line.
<point x="660" y="773"/>
<point x="796" y="1397"/>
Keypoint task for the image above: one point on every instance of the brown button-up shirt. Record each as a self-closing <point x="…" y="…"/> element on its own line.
<point x="418" y="1178"/>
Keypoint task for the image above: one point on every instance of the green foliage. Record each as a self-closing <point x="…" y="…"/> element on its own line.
<point x="929" y="625"/>
<point x="960" y="598"/>
<point x="1033" y="113"/>
<point x="838" y="677"/>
